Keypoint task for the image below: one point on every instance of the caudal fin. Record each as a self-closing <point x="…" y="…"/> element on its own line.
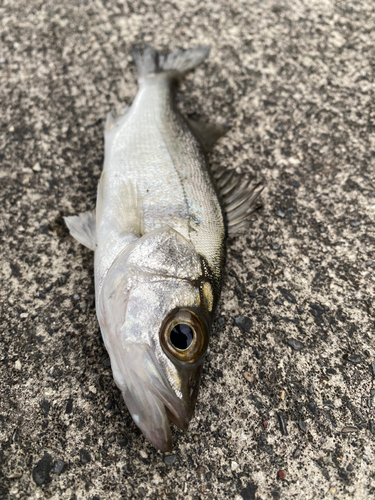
<point x="177" y="63"/>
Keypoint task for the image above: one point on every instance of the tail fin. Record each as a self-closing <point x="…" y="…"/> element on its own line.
<point x="176" y="63"/>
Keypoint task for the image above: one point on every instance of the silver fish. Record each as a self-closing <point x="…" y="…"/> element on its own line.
<point x="158" y="233"/>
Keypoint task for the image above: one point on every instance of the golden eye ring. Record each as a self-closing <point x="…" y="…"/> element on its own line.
<point x="184" y="335"/>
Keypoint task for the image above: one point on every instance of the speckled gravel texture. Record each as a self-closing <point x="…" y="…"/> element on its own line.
<point x="287" y="404"/>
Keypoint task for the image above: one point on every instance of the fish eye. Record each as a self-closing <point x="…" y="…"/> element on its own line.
<point x="181" y="336"/>
<point x="184" y="335"/>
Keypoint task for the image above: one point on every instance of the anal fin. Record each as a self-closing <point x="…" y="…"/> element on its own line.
<point x="207" y="133"/>
<point x="83" y="228"/>
<point x="239" y="195"/>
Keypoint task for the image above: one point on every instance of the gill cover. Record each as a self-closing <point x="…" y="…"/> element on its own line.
<point x="150" y="296"/>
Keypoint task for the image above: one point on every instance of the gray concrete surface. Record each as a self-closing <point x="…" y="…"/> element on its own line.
<point x="294" y="80"/>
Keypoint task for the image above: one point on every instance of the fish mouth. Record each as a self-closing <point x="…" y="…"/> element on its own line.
<point x="150" y="398"/>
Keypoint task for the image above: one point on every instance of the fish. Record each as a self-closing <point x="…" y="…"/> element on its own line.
<point x="159" y="235"/>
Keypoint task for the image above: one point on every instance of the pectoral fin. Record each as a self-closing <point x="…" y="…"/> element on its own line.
<point x="128" y="216"/>
<point x="82" y="228"/>
<point x="129" y="213"/>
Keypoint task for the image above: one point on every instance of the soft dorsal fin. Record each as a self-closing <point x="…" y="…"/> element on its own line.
<point x="239" y="195"/>
<point x="113" y="117"/>
<point x="207" y="133"/>
<point x="82" y="228"/>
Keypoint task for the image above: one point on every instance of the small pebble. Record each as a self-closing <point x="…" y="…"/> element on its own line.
<point x="69" y="406"/>
<point x="59" y="467"/>
<point x="221" y="321"/>
<point x="107" y="362"/>
<point x="302" y="426"/>
<point x="18" y="365"/>
<point x="295" y="344"/>
<point x="297" y="453"/>
<point x="281" y="474"/>
<point x="84" y="456"/>
<point x="24" y="315"/>
<point x="170" y="459"/>
<point x="280" y="213"/>
<point x="265" y="424"/>
<point x="355" y="359"/>
<point x="282" y="424"/>
<point x="42" y="469"/>
<point x="250" y="377"/>
<point x="348" y="429"/>
<point x="287" y="295"/>
<point x="312" y="408"/>
<point x="45" y="407"/>
<point x="37" y="167"/>
<point x="275" y="246"/>
<point x="265" y="447"/>
<point x="354" y="223"/>
<point x="244" y="323"/>
<point x="343" y="474"/>
<point x="369" y="263"/>
<point x="279" y="301"/>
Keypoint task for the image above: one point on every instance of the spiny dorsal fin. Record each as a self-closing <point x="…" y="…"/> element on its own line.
<point x="207" y="133"/>
<point x="83" y="228"/>
<point x="239" y="195"/>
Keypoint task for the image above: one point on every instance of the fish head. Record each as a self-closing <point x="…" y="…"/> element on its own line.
<point x="155" y="311"/>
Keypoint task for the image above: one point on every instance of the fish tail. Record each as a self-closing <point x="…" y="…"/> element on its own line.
<point x="176" y="64"/>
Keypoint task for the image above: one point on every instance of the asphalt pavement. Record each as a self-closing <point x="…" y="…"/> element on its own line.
<point x="287" y="404"/>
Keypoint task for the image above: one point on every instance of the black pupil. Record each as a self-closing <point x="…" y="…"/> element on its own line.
<point x="181" y="336"/>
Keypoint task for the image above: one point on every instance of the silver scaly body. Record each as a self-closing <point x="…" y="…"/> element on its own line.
<point x="159" y="239"/>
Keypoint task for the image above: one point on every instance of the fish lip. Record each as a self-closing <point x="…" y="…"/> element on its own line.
<point x="150" y="398"/>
